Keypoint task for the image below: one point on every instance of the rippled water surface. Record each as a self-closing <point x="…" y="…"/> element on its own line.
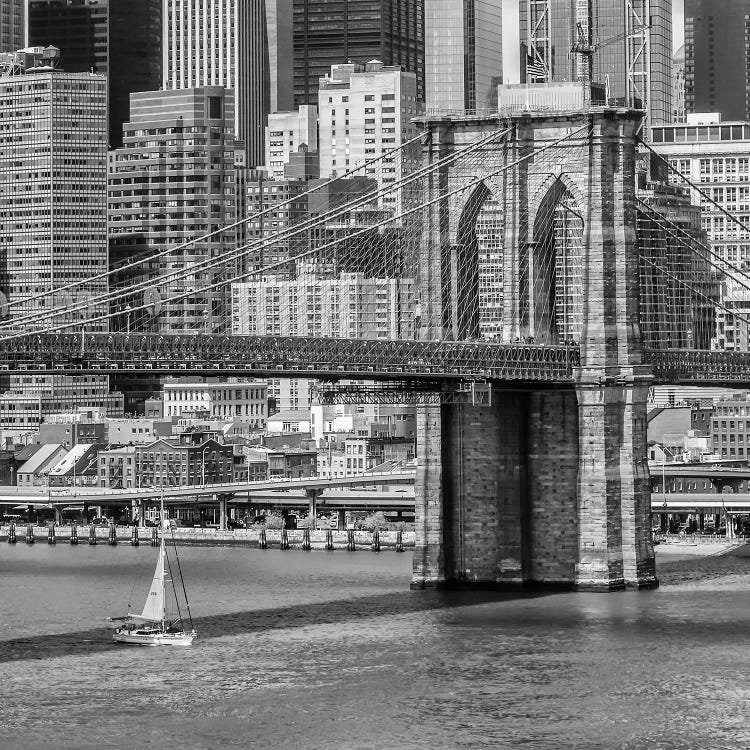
<point x="331" y="650"/>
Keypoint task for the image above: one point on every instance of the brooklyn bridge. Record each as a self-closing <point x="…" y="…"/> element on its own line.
<point x="549" y="259"/>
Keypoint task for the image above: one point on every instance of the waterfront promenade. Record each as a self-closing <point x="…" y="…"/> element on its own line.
<point x="252" y="537"/>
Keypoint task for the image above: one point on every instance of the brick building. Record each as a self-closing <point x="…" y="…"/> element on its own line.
<point x="166" y="463"/>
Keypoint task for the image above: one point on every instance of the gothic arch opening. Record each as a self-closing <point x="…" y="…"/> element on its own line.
<point x="476" y="268"/>
<point x="554" y="269"/>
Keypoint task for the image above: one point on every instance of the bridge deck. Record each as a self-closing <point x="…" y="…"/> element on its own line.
<point x="266" y="356"/>
<point x="426" y="362"/>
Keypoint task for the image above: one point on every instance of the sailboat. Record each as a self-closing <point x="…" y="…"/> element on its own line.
<point x="156" y="625"/>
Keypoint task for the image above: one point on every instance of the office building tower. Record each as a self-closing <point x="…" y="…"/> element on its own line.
<point x="463" y="53"/>
<point x="365" y="111"/>
<point x="120" y="39"/>
<point x="715" y="153"/>
<point x="286" y="133"/>
<point x="678" y="85"/>
<point x="12" y="25"/>
<point x="278" y="55"/>
<point x="244" y="45"/>
<point x="626" y="44"/>
<point x="330" y="32"/>
<point x="717" y="57"/>
<point x="53" y="185"/>
<point x="53" y="207"/>
<point x="181" y="144"/>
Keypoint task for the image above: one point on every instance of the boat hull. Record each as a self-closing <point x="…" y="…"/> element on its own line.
<point x="155" y="639"/>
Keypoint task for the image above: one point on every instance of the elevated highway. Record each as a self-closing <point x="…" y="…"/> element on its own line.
<point x="246" y="489"/>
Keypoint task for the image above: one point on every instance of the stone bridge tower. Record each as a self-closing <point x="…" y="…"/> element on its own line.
<point x="544" y="486"/>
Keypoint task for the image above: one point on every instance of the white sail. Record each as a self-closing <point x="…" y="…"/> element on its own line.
<point x="155" y="601"/>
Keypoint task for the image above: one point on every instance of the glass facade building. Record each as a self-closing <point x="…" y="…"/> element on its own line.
<point x="12" y="24"/>
<point x="117" y="38"/>
<point x="632" y="59"/>
<point x="244" y="45"/>
<point x="717" y="57"/>
<point x="332" y="32"/>
<point x="463" y="53"/>
<point x="678" y="85"/>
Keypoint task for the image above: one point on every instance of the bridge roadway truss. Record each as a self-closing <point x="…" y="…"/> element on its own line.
<point x="323" y="358"/>
<point x="419" y="365"/>
<point x="684" y="367"/>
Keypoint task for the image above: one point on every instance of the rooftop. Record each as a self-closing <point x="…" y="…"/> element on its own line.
<point x="45" y="454"/>
<point x="290" y="416"/>
<point x="69" y="460"/>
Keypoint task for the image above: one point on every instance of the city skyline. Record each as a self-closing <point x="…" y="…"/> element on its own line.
<point x="431" y="393"/>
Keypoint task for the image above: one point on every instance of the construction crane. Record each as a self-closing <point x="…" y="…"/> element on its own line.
<point x="587" y="48"/>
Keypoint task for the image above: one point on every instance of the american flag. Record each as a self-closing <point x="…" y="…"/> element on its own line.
<point x="535" y="68"/>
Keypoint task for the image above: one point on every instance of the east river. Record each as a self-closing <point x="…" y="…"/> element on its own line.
<point x="331" y="650"/>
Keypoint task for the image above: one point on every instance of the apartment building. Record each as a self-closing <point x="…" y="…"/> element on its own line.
<point x="235" y="400"/>
<point x="364" y="112"/>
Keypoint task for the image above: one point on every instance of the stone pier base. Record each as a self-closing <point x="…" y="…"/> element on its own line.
<point x="539" y="489"/>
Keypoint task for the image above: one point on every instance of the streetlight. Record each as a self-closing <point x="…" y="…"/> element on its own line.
<point x="664" y="450"/>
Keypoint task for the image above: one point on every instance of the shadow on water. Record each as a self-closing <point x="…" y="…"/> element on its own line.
<point x="97" y="640"/>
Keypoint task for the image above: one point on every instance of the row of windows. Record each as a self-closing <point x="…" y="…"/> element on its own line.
<point x="219" y="394"/>
<point x="693" y="134"/>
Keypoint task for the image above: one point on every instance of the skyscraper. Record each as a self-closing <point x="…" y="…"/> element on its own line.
<point x="678" y="85"/>
<point x="12" y="25"/>
<point x="364" y="112"/>
<point x="629" y="46"/>
<point x="117" y="38"/>
<point x="463" y="53"/>
<point x="53" y="207"/>
<point x="181" y="144"/>
<point x="717" y="57"/>
<point x="244" y="45"/>
<point x="53" y="184"/>
<point x="331" y="32"/>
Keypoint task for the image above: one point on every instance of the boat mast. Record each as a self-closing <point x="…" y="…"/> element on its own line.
<point x="163" y="561"/>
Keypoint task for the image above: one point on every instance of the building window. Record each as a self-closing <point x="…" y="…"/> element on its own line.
<point x="214" y="107"/>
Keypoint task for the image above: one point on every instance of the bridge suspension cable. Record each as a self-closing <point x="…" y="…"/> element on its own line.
<point x="694" y="186"/>
<point x="367" y="164"/>
<point x="244" y="251"/>
<point x="697" y="279"/>
<point x="473" y="158"/>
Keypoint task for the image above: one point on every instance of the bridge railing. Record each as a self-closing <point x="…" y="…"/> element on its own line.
<point x="699" y="367"/>
<point x="376" y="359"/>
